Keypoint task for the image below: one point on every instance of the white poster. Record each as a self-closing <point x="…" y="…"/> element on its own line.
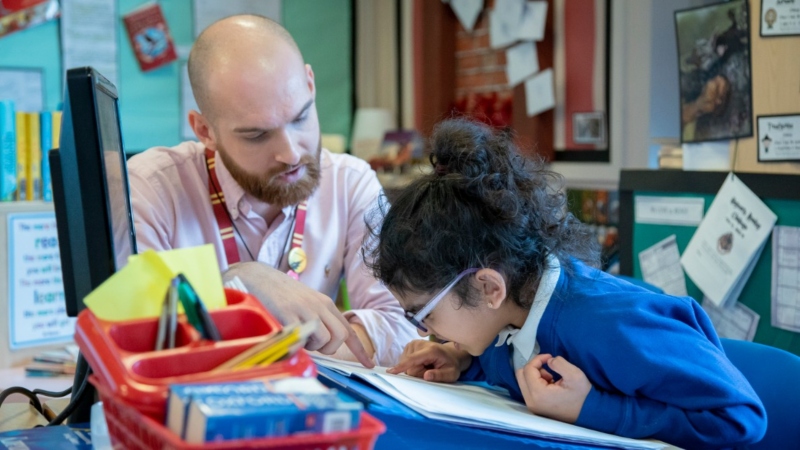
<point x="786" y="278"/>
<point x="779" y="138"/>
<point x="37" y="314"/>
<point x="780" y="18"/>
<point x="89" y="36"/>
<point x="207" y="12"/>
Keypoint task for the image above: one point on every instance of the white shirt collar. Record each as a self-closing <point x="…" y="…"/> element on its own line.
<point x="524" y="339"/>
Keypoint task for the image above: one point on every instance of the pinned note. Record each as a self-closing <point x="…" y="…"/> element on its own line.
<point x="137" y="291"/>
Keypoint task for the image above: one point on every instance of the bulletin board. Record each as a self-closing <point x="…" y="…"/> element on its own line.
<point x="150" y="102"/>
<point x="781" y="193"/>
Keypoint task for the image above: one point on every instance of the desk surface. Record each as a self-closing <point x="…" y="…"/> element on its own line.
<point x="16" y="377"/>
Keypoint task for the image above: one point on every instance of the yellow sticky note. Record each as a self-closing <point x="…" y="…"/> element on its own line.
<point x="137" y="291"/>
<point x="199" y="265"/>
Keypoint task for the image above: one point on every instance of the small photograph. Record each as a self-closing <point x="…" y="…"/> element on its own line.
<point x="725" y="243"/>
<point x="715" y="77"/>
<point x="589" y="128"/>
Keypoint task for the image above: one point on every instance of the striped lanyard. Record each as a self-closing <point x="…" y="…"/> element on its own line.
<point x="297" y="256"/>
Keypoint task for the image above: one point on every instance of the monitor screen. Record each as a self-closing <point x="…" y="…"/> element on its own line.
<point x="90" y="187"/>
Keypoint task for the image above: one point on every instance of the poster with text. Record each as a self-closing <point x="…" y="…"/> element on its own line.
<point x="37" y="313"/>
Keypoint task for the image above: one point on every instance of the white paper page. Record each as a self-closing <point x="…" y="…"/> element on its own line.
<point x="668" y="210"/>
<point x="24" y="87"/>
<point x="735" y="226"/>
<point x="476" y="406"/>
<point x="786" y="278"/>
<point x="89" y="36"/>
<point x="37" y="314"/>
<point x="501" y="33"/>
<point x="467" y="12"/>
<point x="534" y="18"/>
<point x="736" y="290"/>
<point x="522" y="61"/>
<point x="188" y="103"/>
<point x="738" y="322"/>
<point x="661" y="266"/>
<point x="206" y="12"/>
<point x="539" y="96"/>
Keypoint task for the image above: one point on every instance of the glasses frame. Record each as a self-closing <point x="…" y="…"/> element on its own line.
<point x="422" y="314"/>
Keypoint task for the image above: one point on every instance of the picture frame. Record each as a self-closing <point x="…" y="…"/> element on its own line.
<point x="779" y="19"/>
<point x="715" y="73"/>
<point x="582" y="81"/>
<point x="778" y="137"/>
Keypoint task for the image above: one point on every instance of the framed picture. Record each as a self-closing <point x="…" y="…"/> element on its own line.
<point x="779" y="18"/>
<point x="778" y="138"/>
<point x="714" y="72"/>
<point x="581" y="80"/>
<point x="589" y="128"/>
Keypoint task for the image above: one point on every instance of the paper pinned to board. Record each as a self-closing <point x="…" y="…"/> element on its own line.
<point x="522" y="61"/>
<point x="738" y="322"/>
<point x="476" y="406"/>
<point x="137" y="291"/>
<point x="533" y="21"/>
<point x="661" y="266"/>
<point x="539" y="95"/>
<point x="501" y="33"/>
<point x="786" y="278"/>
<point x="467" y="12"/>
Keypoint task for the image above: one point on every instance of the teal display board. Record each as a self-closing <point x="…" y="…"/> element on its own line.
<point x="150" y="102"/>
<point x="757" y="292"/>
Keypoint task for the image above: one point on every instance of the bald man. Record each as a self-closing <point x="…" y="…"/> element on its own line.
<point x="258" y="185"/>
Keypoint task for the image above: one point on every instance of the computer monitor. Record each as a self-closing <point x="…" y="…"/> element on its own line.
<point x="90" y="187"/>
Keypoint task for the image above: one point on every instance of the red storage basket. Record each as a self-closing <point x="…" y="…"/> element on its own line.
<point x="130" y="429"/>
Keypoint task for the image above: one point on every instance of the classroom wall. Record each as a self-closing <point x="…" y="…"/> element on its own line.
<point x="150" y="102"/>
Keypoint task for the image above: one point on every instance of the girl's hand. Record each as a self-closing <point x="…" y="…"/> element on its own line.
<point x="432" y="361"/>
<point x="561" y="400"/>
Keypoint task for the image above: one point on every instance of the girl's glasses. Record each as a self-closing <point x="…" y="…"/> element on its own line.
<point x="417" y="318"/>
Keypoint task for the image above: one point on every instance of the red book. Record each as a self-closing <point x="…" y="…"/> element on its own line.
<point x="18" y="15"/>
<point x="149" y="35"/>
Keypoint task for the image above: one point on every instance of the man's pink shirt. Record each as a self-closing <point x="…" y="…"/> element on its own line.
<point x="172" y="209"/>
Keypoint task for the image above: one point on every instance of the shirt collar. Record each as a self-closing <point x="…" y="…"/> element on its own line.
<point x="524" y="339"/>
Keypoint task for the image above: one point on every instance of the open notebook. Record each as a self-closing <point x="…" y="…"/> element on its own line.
<point x="476" y="406"/>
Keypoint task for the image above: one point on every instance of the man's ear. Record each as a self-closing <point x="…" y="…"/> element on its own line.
<point x="492" y="287"/>
<point x="310" y="77"/>
<point x="202" y="129"/>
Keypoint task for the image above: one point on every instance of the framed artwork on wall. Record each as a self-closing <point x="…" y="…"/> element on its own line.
<point x="714" y="72"/>
<point x="581" y="30"/>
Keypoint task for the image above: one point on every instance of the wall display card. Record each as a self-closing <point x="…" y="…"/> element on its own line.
<point x="37" y="314"/>
<point x="728" y="241"/>
<point x="778" y="138"/>
<point x="25" y="87"/>
<point x="738" y="322"/>
<point x="521" y="62"/>
<point x="661" y="266"/>
<point x="668" y="210"/>
<point x="533" y="20"/>
<point x="467" y="12"/>
<point x="780" y="18"/>
<point x="188" y="103"/>
<point x="539" y="94"/>
<point x="149" y="35"/>
<point x="786" y="278"/>
<point x="207" y="12"/>
<point x="501" y="33"/>
<point x="89" y="36"/>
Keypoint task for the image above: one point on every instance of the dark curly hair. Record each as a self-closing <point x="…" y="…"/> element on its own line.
<point x="485" y="205"/>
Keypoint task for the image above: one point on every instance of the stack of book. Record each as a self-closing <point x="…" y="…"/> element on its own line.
<point x="53" y="363"/>
<point x="257" y="409"/>
<point x="25" y="140"/>
<point x="670" y="153"/>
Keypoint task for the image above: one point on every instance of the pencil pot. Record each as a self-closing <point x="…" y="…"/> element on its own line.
<point x="130" y="429"/>
<point x="124" y="361"/>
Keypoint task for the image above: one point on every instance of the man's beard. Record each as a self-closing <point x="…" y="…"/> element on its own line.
<point x="267" y="189"/>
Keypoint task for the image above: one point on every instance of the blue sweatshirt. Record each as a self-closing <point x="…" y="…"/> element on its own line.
<point x="655" y="363"/>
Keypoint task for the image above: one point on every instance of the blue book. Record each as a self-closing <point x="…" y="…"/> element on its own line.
<point x="221" y="418"/>
<point x="46" y="126"/>
<point x="180" y="395"/>
<point x="61" y="437"/>
<point x="8" y="151"/>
